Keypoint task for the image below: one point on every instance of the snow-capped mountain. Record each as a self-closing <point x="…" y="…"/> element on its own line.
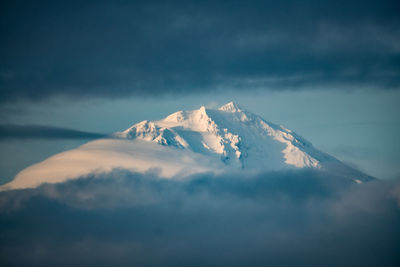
<point x="239" y="138"/>
<point x="188" y="142"/>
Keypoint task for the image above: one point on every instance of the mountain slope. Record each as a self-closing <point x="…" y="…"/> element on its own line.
<point x="241" y="138"/>
<point x="188" y="142"/>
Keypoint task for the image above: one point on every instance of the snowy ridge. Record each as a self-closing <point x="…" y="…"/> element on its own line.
<point x="239" y="137"/>
<point x="149" y="131"/>
<point x="188" y="142"/>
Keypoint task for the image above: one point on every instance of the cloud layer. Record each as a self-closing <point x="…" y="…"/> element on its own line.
<point x="151" y="48"/>
<point x="277" y="219"/>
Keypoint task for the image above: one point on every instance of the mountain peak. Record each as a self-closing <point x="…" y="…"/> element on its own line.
<point x="231" y="107"/>
<point x="188" y="142"/>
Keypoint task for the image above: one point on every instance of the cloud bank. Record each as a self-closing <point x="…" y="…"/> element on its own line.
<point x="151" y="48"/>
<point x="298" y="218"/>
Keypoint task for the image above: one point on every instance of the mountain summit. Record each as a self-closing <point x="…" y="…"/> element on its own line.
<point x="186" y="142"/>
<point x="231" y="107"/>
<point x="235" y="136"/>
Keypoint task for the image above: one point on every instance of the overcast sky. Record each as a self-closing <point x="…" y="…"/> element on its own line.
<point x="153" y="48"/>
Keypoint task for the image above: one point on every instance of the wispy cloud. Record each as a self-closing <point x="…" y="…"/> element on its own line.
<point x="12" y="131"/>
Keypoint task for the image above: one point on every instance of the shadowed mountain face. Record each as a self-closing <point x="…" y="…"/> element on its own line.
<point x="227" y="139"/>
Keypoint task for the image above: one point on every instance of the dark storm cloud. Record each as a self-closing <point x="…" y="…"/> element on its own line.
<point x="11" y="131"/>
<point x="293" y="218"/>
<point x="120" y="48"/>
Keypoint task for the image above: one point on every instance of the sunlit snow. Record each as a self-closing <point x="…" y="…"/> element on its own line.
<point x="185" y="143"/>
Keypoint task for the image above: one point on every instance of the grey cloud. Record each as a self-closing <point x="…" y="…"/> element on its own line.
<point x="12" y="131"/>
<point x="122" y="48"/>
<point x="292" y="218"/>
